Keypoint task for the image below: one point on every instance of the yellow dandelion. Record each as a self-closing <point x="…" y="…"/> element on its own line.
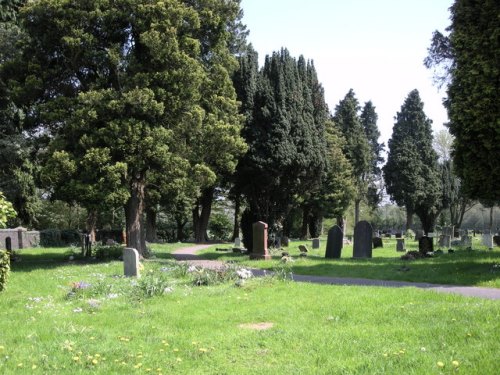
<point x="80" y="353"/>
<point x="92" y="338"/>
<point x="89" y="357"/>
<point x="34" y="367"/>
<point x="76" y="358"/>
<point x="203" y="350"/>
<point x="455" y="363"/>
<point x="138" y="365"/>
<point x="20" y="365"/>
<point x="401" y="352"/>
<point x="97" y="355"/>
<point x="124" y="363"/>
<point x="162" y="350"/>
<point x="176" y="350"/>
<point x="139" y="356"/>
<point x="95" y="361"/>
<point x="179" y="359"/>
<point x="194" y="343"/>
<point x="385" y="355"/>
<point x="440" y="364"/>
<point x="148" y="370"/>
<point x="2" y="347"/>
<point x="117" y="360"/>
<point x="158" y="369"/>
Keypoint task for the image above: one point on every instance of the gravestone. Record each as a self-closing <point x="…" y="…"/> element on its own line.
<point x="131" y="262"/>
<point x="425" y="245"/>
<point x="496" y="240"/>
<point x="400" y="244"/>
<point x="362" y="240"/>
<point x="487" y="241"/>
<point x="377" y="242"/>
<point x="259" y="250"/>
<point x="334" y="243"/>
<point x="303" y="249"/>
<point x="315" y="243"/>
<point x="449" y="231"/>
<point x="237" y="242"/>
<point x="399" y="235"/>
<point x="445" y="241"/>
<point x="285" y="241"/>
<point x="419" y="234"/>
<point x="466" y="241"/>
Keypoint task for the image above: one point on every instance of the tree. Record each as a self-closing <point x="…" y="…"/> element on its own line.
<point x="369" y="119"/>
<point x="118" y="85"/>
<point x="411" y="173"/>
<point x="469" y="57"/>
<point x="357" y="147"/>
<point x="6" y="211"/>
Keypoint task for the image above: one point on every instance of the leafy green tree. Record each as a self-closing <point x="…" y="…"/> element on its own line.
<point x="468" y="60"/>
<point x="119" y="86"/>
<point x="357" y="147"/>
<point x="411" y="174"/>
<point x="6" y="211"/>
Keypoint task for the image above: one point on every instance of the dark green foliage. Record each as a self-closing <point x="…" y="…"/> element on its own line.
<point x="411" y="174"/>
<point x="286" y="141"/>
<point x="4" y="268"/>
<point x="113" y="252"/>
<point x="59" y="238"/>
<point x="467" y="61"/>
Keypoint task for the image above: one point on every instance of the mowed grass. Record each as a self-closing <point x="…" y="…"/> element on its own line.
<point x="479" y="267"/>
<point x="314" y="329"/>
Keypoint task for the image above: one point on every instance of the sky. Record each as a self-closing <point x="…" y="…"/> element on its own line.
<point x="375" y="47"/>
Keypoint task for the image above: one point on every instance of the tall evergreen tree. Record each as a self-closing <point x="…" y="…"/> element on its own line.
<point x="357" y="147"/>
<point x="411" y="174"/>
<point x="467" y="61"/>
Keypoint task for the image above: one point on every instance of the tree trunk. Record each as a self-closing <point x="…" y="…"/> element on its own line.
<point x="91" y="224"/>
<point x="341" y="223"/>
<point x="357" y="203"/>
<point x="491" y="218"/>
<point x="151" y="235"/>
<point x="180" y="224"/>
<point x="200" y="219"/>
<point x="133" y="217"/>
<point x="236" y="225"/>
<point x="409" y="218"/>
<point x="305" y="221"/>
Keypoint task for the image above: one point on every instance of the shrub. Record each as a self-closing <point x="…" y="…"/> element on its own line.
<point x="220" y="227"/>
<point x="108" y="252"/>
<point x="151" y="285"/>
<point x="4" y="268"/>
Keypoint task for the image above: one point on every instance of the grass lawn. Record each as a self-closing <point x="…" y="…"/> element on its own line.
<point x="61" y="317"/>
<point x="479" y="267"/>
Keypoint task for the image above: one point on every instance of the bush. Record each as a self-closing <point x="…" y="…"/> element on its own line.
<point x="220" y="227"/>
<point x="113" y="252"/>
<point x="4" y="268"/>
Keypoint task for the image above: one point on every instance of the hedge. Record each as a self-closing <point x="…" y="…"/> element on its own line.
<point x="4" y="268"/>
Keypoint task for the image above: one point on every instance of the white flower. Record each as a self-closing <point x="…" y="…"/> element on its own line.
<point x="244" y="273"/>
<point x="78" y="310"/>
<point x="168" y="290"/>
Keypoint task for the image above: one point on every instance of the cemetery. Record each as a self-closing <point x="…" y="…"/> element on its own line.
<point x="178" y="198"/>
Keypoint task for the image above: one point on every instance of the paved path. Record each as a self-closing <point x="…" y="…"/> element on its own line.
<point x="188" y="254"/>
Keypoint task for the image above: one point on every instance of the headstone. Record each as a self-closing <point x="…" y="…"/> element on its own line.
<point x="237" y="242"/>
<point x="388" y="235"/>
<point x="456" y="233"/>
<point x="466" y="241"/>
<point x="445" y="241"/>
<point x="399" y="235"/>
<point x="377" y="242"/>
<point x="277" y="242"/>
<point x="448" y="231"/>
<point x="431" y="234"/>
<point x="487" y="241"/>
<point x="131" y="262"/>
<point x="259" y="250"/>
<point x="425" y="245"/>
<point x="285" y="241"/>
<point x="334" y="243"/>
<point x="362" y="240"/>
<point x="400" y="244"/>
<point x="419" y="234"/>
<point x="303" y="249"/>
<point x="496" y="240"/>
<point x="315" y="243"/>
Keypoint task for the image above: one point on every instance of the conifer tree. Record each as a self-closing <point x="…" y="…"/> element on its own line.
<point x="411" y="174"/>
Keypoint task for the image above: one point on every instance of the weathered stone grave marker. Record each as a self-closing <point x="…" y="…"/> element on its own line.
<point x="426" y="245"/>
<point x="315" y="243"/>
<point x="259" y="250"/>
<point x="419" y="234"/>
<point x="445" y="241"/>
<point x="400" y="244"/>
<point x="334" y="243"/>
<point x="362" y="240"/>
<point x="487" y="241"/>
<point x="377" y="242"/>
<point x="131" y="262"/>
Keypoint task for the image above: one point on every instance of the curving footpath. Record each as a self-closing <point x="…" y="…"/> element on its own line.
<point x="188" y="254"/>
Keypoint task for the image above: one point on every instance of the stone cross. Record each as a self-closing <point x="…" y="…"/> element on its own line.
<point x="362" y="240"/>
<point x="334" y="243"/>
<point x="315" y="243"/>
<point x="259" y="250"/>
<point x="131" y="262"/>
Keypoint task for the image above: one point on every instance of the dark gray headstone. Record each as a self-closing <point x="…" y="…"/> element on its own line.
<point x="285" y="241"/>
<point x="334" y="243"/>
<point x="426" y="245"/>
<point x="362" y="240"/>
<point x="399" y="235"/>
<point x="259" y="250"/>
<point x="315" y="243"/>
<point x="400" y="244"/>
<point x="496" y="240"/>
<point x="466" y="241"/>
<point x="377" y="242"/>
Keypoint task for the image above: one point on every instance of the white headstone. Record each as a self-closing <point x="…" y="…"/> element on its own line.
<point x="131" y="262"/>
<point x="488" y="241"/>
<point x="237" y="242"/>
